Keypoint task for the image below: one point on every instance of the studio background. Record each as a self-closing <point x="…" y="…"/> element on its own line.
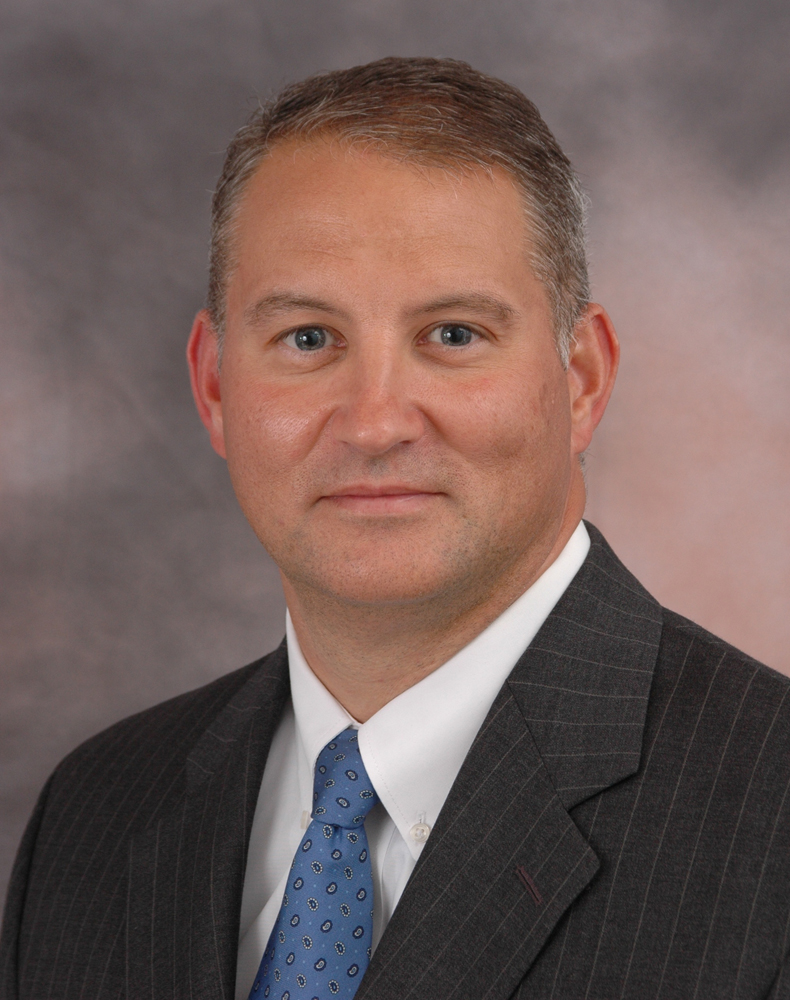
<point x="128" y="573"/>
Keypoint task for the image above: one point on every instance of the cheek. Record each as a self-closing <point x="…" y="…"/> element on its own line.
<point x="268" y="429"/>
<point x="508" y="423"/>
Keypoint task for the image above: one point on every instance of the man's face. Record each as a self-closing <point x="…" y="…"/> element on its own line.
<point x="394" y="413"/>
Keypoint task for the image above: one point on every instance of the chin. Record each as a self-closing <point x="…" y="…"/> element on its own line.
<point x="387" y="567"/>
<point x="381" y="589"/>
<point x="374" y="582"/>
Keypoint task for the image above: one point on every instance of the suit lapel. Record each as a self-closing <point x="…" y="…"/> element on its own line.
<point x="502" y="864"/>
<point x="584" y="682"/>
<point x="506" y="860"/>
<point x="187" y="866"/>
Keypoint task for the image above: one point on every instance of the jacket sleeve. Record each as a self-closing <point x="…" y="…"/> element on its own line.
<point x="15" y="902"/>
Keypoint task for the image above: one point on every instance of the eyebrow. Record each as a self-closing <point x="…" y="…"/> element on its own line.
<point x="478" y="302"/>
<point x="280" y="302"/>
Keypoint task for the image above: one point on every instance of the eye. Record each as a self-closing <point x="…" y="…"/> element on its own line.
<point x="309" y="338"/>
<point x="452" y="335"/>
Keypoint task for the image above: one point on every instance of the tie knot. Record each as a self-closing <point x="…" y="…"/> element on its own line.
<point x="343" y="794"/>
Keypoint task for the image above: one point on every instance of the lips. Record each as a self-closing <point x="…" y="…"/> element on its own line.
<point x="380" y="490"/>
<point x="381" y="498"/>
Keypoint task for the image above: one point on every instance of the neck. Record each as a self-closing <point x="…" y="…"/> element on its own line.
<point x="366" y="654"/>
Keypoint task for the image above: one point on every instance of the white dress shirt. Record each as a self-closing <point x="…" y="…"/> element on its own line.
<point x="412" y="749"/>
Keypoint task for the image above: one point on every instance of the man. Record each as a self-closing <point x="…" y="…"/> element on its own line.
<point x="485" y="763"/>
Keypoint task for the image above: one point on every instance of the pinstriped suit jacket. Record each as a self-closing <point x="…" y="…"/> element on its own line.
<point x="620" y="828"/>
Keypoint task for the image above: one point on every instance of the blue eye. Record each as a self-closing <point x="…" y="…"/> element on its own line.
<point x="452" y="335"/>
<point x="308" y="338"/>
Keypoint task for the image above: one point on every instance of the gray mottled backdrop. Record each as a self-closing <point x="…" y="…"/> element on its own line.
<point x="128" y="574"/>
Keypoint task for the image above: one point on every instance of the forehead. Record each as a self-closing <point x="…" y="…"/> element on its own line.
<point x="327" y="193"/>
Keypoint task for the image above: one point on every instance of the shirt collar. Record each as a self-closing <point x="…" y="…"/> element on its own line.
<point x="414" y="746"/>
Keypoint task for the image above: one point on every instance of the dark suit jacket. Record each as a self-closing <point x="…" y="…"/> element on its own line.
<point x="620" y="828"/>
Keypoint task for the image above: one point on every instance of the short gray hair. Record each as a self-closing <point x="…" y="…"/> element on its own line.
<point x="434" y="112"/>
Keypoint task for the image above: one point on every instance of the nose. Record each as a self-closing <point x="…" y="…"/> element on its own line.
<point x="377" y="412"/>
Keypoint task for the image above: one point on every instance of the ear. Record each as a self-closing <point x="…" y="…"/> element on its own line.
<point x="591" y="372"/>
<point x="203" y="361"/>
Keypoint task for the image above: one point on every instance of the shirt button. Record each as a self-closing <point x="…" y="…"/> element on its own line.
<point x="420" y="832"/>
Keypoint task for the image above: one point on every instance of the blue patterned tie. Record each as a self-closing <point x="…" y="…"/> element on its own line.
<point x="320" y="946"/>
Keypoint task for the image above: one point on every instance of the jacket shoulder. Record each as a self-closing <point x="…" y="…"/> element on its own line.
<point x="682" y="636"/>
<point x="70" y="879"/>
<point x="708" y="692"/>
<point x="170" y="728"/>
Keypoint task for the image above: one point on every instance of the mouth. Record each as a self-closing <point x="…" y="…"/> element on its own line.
<point x="381" y="498"/>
